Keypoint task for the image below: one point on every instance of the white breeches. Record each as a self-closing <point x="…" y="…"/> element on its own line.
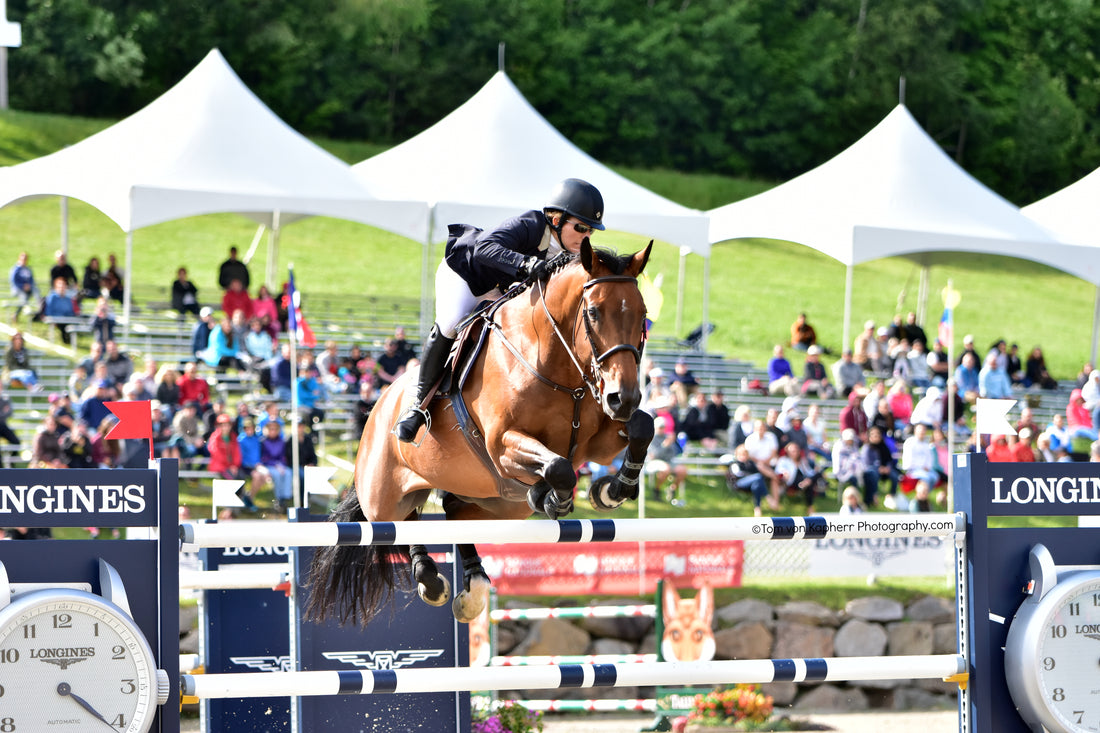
<point x="453" y="299"/>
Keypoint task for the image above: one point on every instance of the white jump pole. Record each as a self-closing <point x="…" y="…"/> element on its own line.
<point x="533" y="660"/>
<point x="468" y="679"/>
<point x="259" y="533"/>
<point x="252" y="576"/>
<point x="646" y="610"/>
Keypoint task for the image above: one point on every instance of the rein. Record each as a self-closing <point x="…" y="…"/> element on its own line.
<point x="576" y="393"/>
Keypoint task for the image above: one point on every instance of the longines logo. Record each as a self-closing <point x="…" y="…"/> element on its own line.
<point x="879" y="550"/>
<point x="63" y="657"/>
<point x="264" y="663"/>
<point x="384" y="658"/>
<point x="1047" y="490"/>
<point x="68" y="499"/>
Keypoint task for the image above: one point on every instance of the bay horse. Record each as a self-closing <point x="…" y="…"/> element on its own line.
<point x="553" y="384"/>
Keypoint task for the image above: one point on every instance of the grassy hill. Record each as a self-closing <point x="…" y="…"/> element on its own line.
<point x="757" y="286"/>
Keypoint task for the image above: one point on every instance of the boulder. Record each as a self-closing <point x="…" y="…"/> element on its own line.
<point x="746" y="640"/>
<point x="794" y="640"/>
<point x="875" y="608"/>
<point x="610" y="646"/>
<point x="945" y="639"/>
<point x="909" y="637"/>
<point x="783" y="693"/>
<point x="630" y="628"/>
<point x="830" y="698"/>
<point x="749" y="609"/>
<point x="933" y="609"/>
<point x="553" y="636"/>
<point x="807" y="612"/>
<point x="858" y="638"/>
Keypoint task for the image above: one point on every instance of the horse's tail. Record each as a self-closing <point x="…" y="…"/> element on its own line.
<point x="351" y="582"/>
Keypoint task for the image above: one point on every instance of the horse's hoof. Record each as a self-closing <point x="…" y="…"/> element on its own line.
<point x="555" y="507"/>
<point x="439" y="599"/>
<point x="599" y="495"/>
<point x="469" y="604"/>
<point x="536" y="496"/>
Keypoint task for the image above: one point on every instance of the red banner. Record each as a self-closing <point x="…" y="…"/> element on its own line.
<point x="613" y="568"/>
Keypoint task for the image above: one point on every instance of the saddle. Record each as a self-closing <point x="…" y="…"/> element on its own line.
<point x="464" y="354"/>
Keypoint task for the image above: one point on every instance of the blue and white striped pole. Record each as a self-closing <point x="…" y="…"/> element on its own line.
<point x="468" y="679"/>
<point x="327" y="534"/>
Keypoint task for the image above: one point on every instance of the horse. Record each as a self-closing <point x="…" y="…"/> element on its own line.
<point x="553" y="383"/>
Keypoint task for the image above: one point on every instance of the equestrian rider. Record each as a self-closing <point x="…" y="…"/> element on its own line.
<point x="480" y="265"/>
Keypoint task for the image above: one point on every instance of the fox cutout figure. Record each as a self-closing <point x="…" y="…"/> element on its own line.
<point x="479" y="640"/>
<point x="688" y="635"/>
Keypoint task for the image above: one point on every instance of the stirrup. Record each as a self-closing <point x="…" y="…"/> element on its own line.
<point x="426" y="418"/>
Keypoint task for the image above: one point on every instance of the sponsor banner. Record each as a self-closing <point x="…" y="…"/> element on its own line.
<point x="881" y="556"/>
<point x="614" y="568"/>
<point x="45" y="497"/>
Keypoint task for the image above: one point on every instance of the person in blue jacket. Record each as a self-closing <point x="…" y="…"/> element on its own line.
<point x="481" y="264"/>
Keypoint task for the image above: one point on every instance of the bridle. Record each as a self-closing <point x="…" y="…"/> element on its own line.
<point x="593" y="382"/>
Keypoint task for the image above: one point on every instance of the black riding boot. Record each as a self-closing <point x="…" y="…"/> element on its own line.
<point x="433" y="357"/>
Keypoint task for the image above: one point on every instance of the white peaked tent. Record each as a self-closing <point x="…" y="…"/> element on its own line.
<point x="1074" y="215"/>
<point x="207" y="145"/>
<point x="496" y="156"/>
<point x="895" y="192"/>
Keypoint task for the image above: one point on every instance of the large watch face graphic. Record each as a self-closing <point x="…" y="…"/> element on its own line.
<point x="73" y="662"/>
<point x="1068" y="655"/>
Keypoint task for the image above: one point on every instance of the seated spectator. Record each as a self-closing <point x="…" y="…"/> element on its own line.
<point x="993" y="381"/>
<point x="90" y="285"/>
<point x="259" y="352"/>
<point x="883" y="365"/>
<point x="696" y="426"/>
<point x="922" y="501"/>
<point x="77" y="446"/>
<point x="223" y="351"/>
<point x="363" y="406"/>
<point x="403" y="348"/>
<point x="968" y="348"/>
<point x="281" y="373"/>
<point x="815" y="379"/>
<point x="913" y="332"/>
<point x="816" y="431"/>
<point x="106" y="453"/>
<point x="18" y="371"/>
<point x="865" y="348"/>
<point x="185" y="296"/>
<point x="763" y="448"/>
<point x="271" y="414"/>
<point x="59" y="304"/>
<point x="656" y="396"/>
<point x="918" y="457"/>
<point x="742" y="474"/>
<point x="103" y="323"/>
<point x="999" y="451"/>
<point x="848" y="467"/>
<point x="878" y="465"/>
<point x="5" y="430"/>
<point x="46" y="451"/>
<point x="852" y="417"/>
<point x="200" y="334"/>
<point x="682" y="382"/>
<point x="311" y="396"/>
<point x="1022" y="451"/>
<point x="967" y="378"/>
<point x="920" y="373"/>
<point x="849" y="375"/>
<point x="390" y="365"/>
<point x="307" y="455"/>
<point x="1014" y="367"/>
<point x="741" y="426"/>
<point x="1057" y="433"/>
<point x="112" y="279"/>
<point x="63" y="270"/>
<point x="273" y="465"/>
<point x="781" y="379"/>
<point x="23" y="287"/>
<point x="236" y="298"/>
<point x="718" y="416"/>
<point x="899" y="352"/>
<point x="187" y="432"/>
<point x="803" y="335"/>
<point x="119" y="365"/>
<point x="796" y="470"/>
<point x="876" y="394"/>
<point x="901" y="404"/>
<point x="850" y="502"/>
<point x="162" y="430"/>
<point x="662" y="463"/>
<point x="266" y="309"/>
<point x="1035" y="371"/>
<point x="193" y="387"/>
<point x="92" y="409"/>
<point x="929" y="409"/>
<point x="248" y="440"/>
<point x="960" y="425"/>
<point x="939" y="366"/>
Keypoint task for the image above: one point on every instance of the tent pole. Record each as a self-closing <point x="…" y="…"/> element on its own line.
<point x="922" y="294"/>
<point x="706" y="301"/>
<point x="1095" y="325"/>
<point x="680" y="295"/>
<point x="845" y="343"/>
<point x="273" y="249"/>
<point x="128" y="285"/>
<point x="65" y="225"/>
<point x="427" y="290"/>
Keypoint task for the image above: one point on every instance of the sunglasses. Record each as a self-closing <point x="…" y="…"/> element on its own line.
<point x="580" y="228"/>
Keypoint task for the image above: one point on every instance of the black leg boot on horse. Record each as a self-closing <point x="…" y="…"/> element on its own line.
<point x="433" y="361"/>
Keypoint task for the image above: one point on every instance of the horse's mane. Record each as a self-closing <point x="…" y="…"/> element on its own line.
<point x="608" y="258"/>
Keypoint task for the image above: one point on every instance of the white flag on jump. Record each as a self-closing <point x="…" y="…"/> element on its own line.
<point x="991" y="418"/>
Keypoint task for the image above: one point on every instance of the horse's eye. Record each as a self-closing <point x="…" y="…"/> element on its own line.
<point x="593" y="313"/>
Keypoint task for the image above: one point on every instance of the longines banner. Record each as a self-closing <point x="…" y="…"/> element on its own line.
<point x="881" y="556"/>
<point x="50" y="497"/>
<point x="610" y="568"/>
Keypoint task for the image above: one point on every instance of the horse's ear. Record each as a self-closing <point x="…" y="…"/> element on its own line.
<point x="587" y="255"/>
<point x="639" y="260"/>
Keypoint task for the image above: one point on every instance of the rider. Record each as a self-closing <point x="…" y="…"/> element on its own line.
<point x="480" y="265"/>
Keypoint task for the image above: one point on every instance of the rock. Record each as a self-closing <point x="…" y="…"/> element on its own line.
<point x="746" y="640"/>
<point x="632" y="628"/>
<point x="909" y="637"/>
<point x="858" y="638"/>
<point x="945" y="639"/>
<point x="801" y="640"/>
<point x="189" y="642"/>
<point x="783" y="693"/>
<point x="807" y="612"/>
<point x="875" y="608"/>
<point x="936" y="686"/>
<point x="748" y="609"/>
<point x="831" y="698"/>
<point x="507" y="638"/>
<point x="912" y="698"/>
<point x="648" y="645"/>
<point x="933" y="609"/>
<point x="553" y="636"/>
<point x="610" y="646"/>
<point x="189" y="619"/>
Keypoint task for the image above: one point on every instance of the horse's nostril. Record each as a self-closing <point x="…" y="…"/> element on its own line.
<point x="614" y="401"/>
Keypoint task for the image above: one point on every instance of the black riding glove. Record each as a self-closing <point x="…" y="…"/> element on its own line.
<point x="535" y="268"/>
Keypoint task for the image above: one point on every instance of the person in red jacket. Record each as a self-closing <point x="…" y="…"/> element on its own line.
<point x="225" y="456"/>
<point x="237" y="299"/>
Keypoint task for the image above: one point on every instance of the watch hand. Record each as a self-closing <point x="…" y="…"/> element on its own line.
<point x="65" y="690"/>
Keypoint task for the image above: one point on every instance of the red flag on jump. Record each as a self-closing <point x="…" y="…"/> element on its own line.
<point x="135" y="421"/>
<point x="296" y="323"/>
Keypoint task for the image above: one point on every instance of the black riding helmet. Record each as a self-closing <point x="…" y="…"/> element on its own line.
<point x="580" y="199"/>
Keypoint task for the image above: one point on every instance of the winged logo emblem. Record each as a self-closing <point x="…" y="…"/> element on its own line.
<point x="383" y="658"/>
<point x="63" y="662"/>
<point x="264" y="663"/>
<point x="1092" y="636"/>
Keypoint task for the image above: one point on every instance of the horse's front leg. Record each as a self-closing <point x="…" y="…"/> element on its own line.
<point x="609" y="492"/>
<point x="524" y="456"/>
